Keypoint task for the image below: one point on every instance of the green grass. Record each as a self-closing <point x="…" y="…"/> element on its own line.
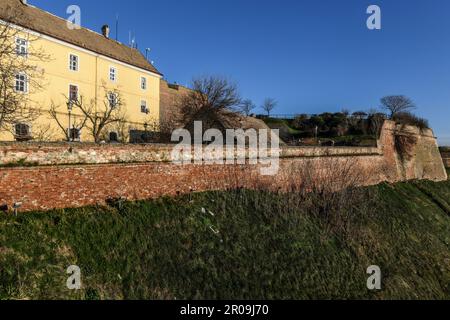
<point x="354" y="140"/>
<point x="168" y="248"/>
<point x="282" y="123"/>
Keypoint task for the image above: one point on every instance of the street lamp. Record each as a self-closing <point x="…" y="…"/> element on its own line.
<point x="69" y="109"/>
<point x="316" y="133"/>
<point x="145" y="134"/>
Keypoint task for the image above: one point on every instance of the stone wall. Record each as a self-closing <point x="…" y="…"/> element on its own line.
<point x="170" y="96"/>
<point x="50" y="176"/>
<point x="447" y="162"/>
<point x="445" y="153"/>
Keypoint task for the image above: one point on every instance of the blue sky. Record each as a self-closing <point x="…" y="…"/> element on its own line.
<point x="310" y="55"/>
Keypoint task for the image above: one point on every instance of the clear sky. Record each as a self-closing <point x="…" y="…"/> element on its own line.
<point x="310" y="55"/>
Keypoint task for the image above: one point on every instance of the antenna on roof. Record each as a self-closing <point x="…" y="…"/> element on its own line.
<point x="133" y="40"/>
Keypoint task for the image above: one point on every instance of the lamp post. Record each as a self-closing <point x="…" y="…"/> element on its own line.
<point x="316" y="133"/>
<point x="145" y="134"/>
<point x="69" y="109"/>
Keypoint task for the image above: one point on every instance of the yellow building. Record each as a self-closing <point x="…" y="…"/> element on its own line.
<point x="80" y="63"/>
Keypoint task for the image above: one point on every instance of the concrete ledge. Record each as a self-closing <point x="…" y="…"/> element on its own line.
<point x="34" y="154"/>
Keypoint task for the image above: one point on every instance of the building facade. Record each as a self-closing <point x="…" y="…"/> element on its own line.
<point x="80" y="65"/>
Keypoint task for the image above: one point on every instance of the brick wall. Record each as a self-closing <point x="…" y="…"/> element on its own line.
<point x="170" y="95"/>
<point x="62" y="175"/>
<point x="446" y="157"/>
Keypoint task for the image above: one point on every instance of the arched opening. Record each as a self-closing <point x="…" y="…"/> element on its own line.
<point x="22" y="132"/>
<point x="113" y="137"/>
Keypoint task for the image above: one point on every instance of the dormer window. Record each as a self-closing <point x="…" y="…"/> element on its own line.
<point x="21" y="47"/>
<point x="112" y="74"/>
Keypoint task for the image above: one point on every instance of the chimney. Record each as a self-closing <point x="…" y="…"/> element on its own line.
<point x="105" y="31"/>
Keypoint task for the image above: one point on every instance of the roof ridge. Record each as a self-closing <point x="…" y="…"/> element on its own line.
<point x="84" y="28"/>
<point x="50" y="24"/>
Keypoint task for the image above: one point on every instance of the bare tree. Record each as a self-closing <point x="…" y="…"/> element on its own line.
<point x="246" y="107"/>
<point x="269" y="105"/>
<point x="397" y="104"/>
<point x="44" y="132"/>
<point x="101" y="115"/>
<point x="20" y="75"/>
<point x="93" y="115"/>
<point x="77" y="122"/>
<point x="212" y="100"/>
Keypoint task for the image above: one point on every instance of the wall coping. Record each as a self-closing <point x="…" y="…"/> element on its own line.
<point x="15" y="154"/>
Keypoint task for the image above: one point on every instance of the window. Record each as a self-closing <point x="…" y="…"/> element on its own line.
<point x="112" y="74"/>
<point x="21" y="83"/>
<point x="113" y="137"/>
<point x="74" y="134"/>
<point x="73" y="62"/>
<point x="144" y="108"/>
<point x="21" y="47"/>
<point x="22" y="130"/>
<point x="73" y="93"/>
<point x="113" y="100"/>
<point x="143" y="83"/>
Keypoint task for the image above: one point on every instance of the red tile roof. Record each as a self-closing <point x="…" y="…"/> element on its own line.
<point x="29" y="17"/>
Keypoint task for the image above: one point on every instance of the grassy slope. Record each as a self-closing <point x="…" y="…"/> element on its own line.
<point x="290" y="133"/>
<point x="166" y="249"/>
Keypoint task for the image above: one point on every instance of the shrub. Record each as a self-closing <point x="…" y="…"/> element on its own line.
<point x="408" y="118"/>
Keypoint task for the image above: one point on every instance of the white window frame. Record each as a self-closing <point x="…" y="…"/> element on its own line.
<point x="113" y="103"/>
<point x="111" y="68"/>
<point x="78" y="91"/>
<point x="77" y="62"/>
<point x="19" y="46"/>
<point x="25" y="82"/>
<point x="23" y="123"/>
<point x="144" y="83"/>
<point x="79" y="134"/>
<point x="144" y="104"/>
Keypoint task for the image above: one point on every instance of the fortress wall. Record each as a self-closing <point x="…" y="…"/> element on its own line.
<point x="49" y="176"/>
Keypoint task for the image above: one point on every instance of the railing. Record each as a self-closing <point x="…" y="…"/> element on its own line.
<point x="293" y="116"/>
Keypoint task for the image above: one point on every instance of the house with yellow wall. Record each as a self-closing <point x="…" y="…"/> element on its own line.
<point x="80" y="63"/>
